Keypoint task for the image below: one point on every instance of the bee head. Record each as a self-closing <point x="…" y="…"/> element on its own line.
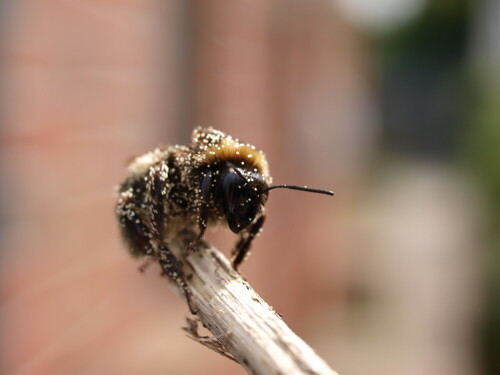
<point x="243" y="197"/>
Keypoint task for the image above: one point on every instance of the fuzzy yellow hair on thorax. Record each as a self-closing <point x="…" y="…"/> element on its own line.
<point x="217" y="147"/>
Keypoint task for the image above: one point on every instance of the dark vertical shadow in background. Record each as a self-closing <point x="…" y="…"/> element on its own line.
<point x="184" y="80"/>
<point x="3" y="27"/>
<point x="3" y="32"/>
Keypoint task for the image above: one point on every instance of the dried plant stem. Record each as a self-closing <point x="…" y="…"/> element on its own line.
<point x="244" y="326"/>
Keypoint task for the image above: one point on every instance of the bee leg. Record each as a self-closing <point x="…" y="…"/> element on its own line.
<point x="202" y="226"/>
<point x="168" y="262"/>
<point x="206" y="191"/>
<point x="172" y="268"/>
<point x="243" y="245"/>
<point x="144" y="266"/>
<point x="156" y="209"/>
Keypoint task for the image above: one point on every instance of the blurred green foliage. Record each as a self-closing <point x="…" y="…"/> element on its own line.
<point x="424" y="89"/>
<point x="482" y="157"/>
<point x="436" y="106"/>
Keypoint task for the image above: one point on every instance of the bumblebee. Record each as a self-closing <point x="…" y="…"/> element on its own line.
<point x="215" y="180"/>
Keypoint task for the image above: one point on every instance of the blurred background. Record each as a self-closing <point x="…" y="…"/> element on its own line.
<point x="391" y="103"/>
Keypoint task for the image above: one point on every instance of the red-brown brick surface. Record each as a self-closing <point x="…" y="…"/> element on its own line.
<point x="86" y="84"/>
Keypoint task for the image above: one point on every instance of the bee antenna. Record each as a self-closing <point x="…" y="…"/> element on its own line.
<point x="293" y="187"/>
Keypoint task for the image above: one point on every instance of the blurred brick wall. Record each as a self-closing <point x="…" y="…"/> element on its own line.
<point x="87" y="84"/>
